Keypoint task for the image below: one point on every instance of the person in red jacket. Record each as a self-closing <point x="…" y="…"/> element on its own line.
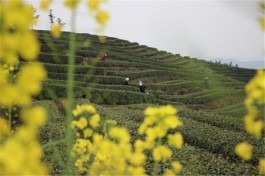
<point x="104" y="57"/>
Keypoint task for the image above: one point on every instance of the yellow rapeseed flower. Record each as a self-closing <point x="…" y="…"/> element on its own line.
<point x="262" y="166"/>
<point x="176" y="167"/>
<point x="35" y="116"/>
<point x="175" y="140"/>
<point x="30" y="48"/>
<point x="244" y="150"/>
<point x="56" y="30"/>
<point x="139" y="171"/>
<point x="88" y="132"/>
<point x="253" y="126"/>
<point x="137" y="158"/>
<point x="93" y="4"/>
<point x="94" y="120"/>
<point x="84" y="108"/>
<point x="169" y="172"/>
<point x="161" y="153"/>
<point x="172" y="122"/>
<point x="102" y="17"/>
<point x="120" y="133"/>
<point x="82" y="123"/>
<point x="44" y="5"/>
<point x="4" y="128"/>
<point x="11" y="68"/>
<point x="72" y="4"/>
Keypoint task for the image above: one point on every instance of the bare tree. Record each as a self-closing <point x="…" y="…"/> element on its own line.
<point x="51" y="16"/>
<point x="36" y="17"/>
<point x="59" y="21"/>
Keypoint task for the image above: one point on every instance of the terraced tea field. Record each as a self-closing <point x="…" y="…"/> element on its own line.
<point x="209" y="98"/>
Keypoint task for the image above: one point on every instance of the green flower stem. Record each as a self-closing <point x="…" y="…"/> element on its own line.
<point x="156" y="165"/>
<point x="10" y="119"/>
<point x="70" y="94"/>
<point x="155" y="169"/>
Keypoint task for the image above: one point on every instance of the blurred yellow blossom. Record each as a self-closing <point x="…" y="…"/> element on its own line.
<point x="94" y="120"/>
<point x="120" y="134"/>
<point x="56" y="30"/>
<point x="4" y="128"/>
<point x="244" y="150"/>
<point x="176" y="140"/>
<point x="44" y="5"/>
<point x="161" y="153"/>
<point x="255" y="90"/>
<point x="81" y="123"/>
<point x="71" y="3"/>
<point x="83" y="108"/>
<point x="88" y="132"/>
<point x="139" y="171"/>
<point x="261" y="166"/>
<point x="11" y="68"/>
<point x="137" y="158"/>
<point x="21" y="153"/>
<point x="169" y="172"/>
<point x="35" y="116"/>
<point x="93" y="4"/>
<point x="102" y="17"/>
<point x="253" y="126"/>
<point x="262" y="23"/>
<point x="26" y="85"/>
<point x="176" y="167"/>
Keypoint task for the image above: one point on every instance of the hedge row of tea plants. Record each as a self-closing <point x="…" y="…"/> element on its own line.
<point x="98" y="96"/>
<point x="89" y="78"/>
<point x="62" y="68"/>
<point x="93" y="85"/>
<point x="217" y="140"/>
<point x="214" y="119"/>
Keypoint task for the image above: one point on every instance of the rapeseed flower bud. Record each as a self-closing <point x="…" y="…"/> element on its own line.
<point x="244" y="150"/>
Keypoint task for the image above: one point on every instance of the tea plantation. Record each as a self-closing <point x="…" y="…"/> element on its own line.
<point x="209" y="98"/>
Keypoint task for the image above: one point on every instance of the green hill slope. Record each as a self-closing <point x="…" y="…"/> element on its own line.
<point x="209" y="97"/>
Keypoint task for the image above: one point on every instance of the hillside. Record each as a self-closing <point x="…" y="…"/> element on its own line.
<point x="209" y="98"/>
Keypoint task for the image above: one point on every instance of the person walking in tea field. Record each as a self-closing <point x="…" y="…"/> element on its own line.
<point x="126" y="81"/>
<point x="142" y="86"/>
<point x="104" y="57"/>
